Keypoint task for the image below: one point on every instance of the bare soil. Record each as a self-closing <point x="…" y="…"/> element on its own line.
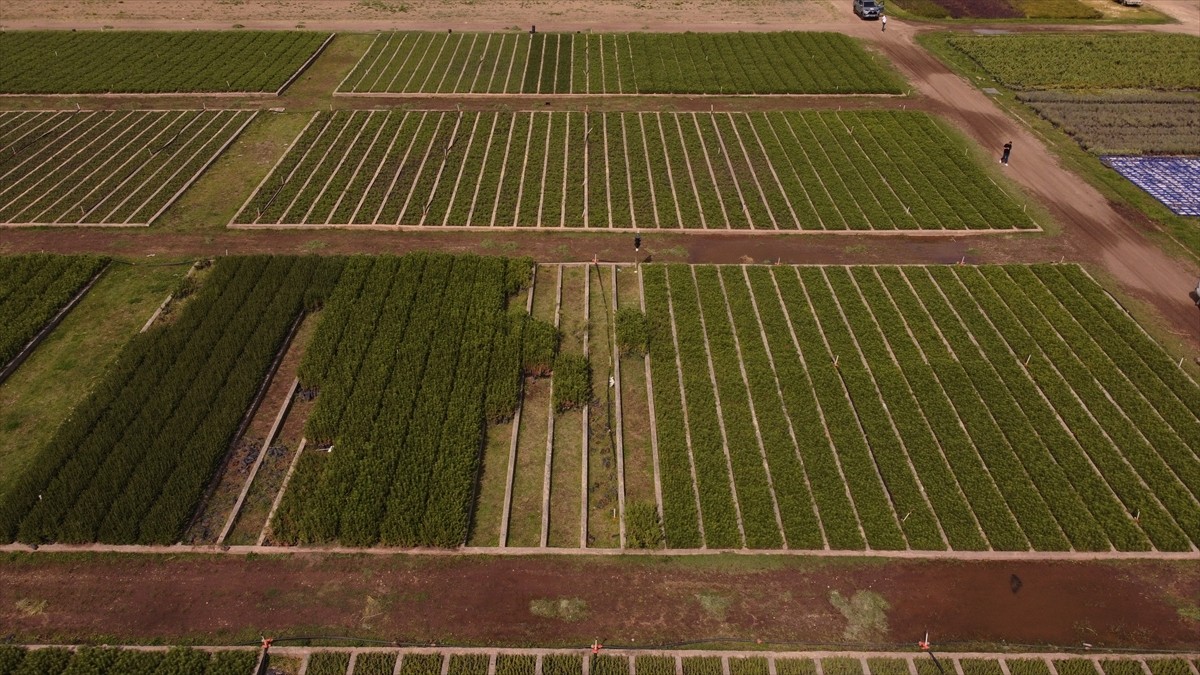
<point x="639" y="601"/>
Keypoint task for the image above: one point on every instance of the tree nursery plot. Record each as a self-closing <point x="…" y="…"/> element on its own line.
<point x="131" y="463"/>
<point x="862" y="170"/>
<point x="1087" y="61"/>
<point x="33" y="288"/>
<point x="620" y="63"/>
<point x="1000" y="407"/>
<point x="85" y="62"/>
<point x="106" y="167"/>
<point x="1124" y="123"/>
<point x="412" y="357"/>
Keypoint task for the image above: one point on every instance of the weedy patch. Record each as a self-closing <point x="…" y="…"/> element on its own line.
<point x="715" y="604"/>
<point x="866" y="615"/>
<point x="564" y="609"/>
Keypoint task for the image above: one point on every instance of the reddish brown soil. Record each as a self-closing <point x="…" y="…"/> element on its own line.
<point x="639" y="601"/>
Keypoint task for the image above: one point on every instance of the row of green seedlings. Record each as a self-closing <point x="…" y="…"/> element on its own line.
<point x="33" y="288"/>
<point x="116" y="661"/>
<point x="819" y="170"/>
<point x="901" y="372"/>
<point x="385" y="663"/>
<point x="132" y="461"/>
<point x="57" y="62"/>
<point x="628" y="63"/>
<point x="107" y="166"/>
<point x="413" y="356"/>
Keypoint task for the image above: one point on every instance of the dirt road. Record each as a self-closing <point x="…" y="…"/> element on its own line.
<point x="487" y="601"/>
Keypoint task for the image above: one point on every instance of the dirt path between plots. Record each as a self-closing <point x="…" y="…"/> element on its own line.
<point x="644" y="602"/>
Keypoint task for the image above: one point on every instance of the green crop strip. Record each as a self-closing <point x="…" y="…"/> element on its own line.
<point x="872" y="170"/>
<point x="624" y="63"/>
<point x="86" y="62"/>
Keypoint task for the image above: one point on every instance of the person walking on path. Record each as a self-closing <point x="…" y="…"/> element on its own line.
<point x="883" y="22"/>
<point x="1007" y="152"/>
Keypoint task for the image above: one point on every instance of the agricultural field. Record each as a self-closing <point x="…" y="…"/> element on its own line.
<point x="33" y="289"/>
<point x="471" y="661"/>
<point x="412" y="357"/>
<point x="1170" y="180"/>
<point x="132" y="461"/>
<point x="862" y="170"/>
<point x="998" y="9"/>
<point x="16" y="660"/>
<point x="620" y="63"/>
<point x="1167" y="62"/>
<point x="105" y="167"/>
<point x="1124" y="123"/>
<point x="1010" y="408"/>
<point x="60" y="62"/>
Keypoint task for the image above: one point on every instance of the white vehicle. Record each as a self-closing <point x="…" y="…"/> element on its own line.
<point x="1131" y="3"/>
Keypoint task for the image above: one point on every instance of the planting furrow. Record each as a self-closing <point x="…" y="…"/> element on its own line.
<point x="420" y="178"/>
<point x="683" y="519"/>
<point x="708" y="201"/>
<point x="843" y="193"/>
<point x="434" y="202"/>
<point x="321" y="196"/>
<point x="1171" y="428"/>
<point x="629" y="171"/>
<point x="933" y="461"/>
<point x="753" y="200"/>
<point x="550" y="420"/>
<point x="99" y="175"/>
<point x="748" y="483"/>
<point x="529" y="136"/>
<point x="205" y="148"/>
<point x="721" y="193"/>
<point x="680" y="151"/>
<point x="722" y="519"/>
<point x="881" y="440"/>
<point x="92" y="161"/>
<point x="1099" y="396"/>
<point x="801" y="522"/>
<point x="65" y="149"/>
<point x="81" y="125"/>
<point x="1012" y="441"/>
<point x="825" y="206"/>
<point x="1068" y="430"/>
<point x="877" y="513"/>
<point x="773" y="192"/>
<point x="919" y="448"/>
<point x="353" y="184"/>
<point x="272" y="206"/>
<point x="754" y="406"/>
<point x="516" y="150"/>
<point x="1141" y="358"/>
<point x="651" y="419"/>
<point x="886" y="172"/>
<point x="371" y="197"/>
<point x="831" y="491"/>
<point x="662" y="179"/>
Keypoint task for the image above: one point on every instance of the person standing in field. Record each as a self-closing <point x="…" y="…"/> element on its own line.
<point x="1007" y="152"/>
<point x="883" y="22"/>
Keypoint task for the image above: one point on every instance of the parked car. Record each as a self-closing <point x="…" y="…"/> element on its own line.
<point x="869" y="9"/>
<point x="1131" y="3"/>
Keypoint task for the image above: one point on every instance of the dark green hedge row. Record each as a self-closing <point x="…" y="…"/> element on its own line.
<point x="32" y="290"/>
<point x="132" y="461"/>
